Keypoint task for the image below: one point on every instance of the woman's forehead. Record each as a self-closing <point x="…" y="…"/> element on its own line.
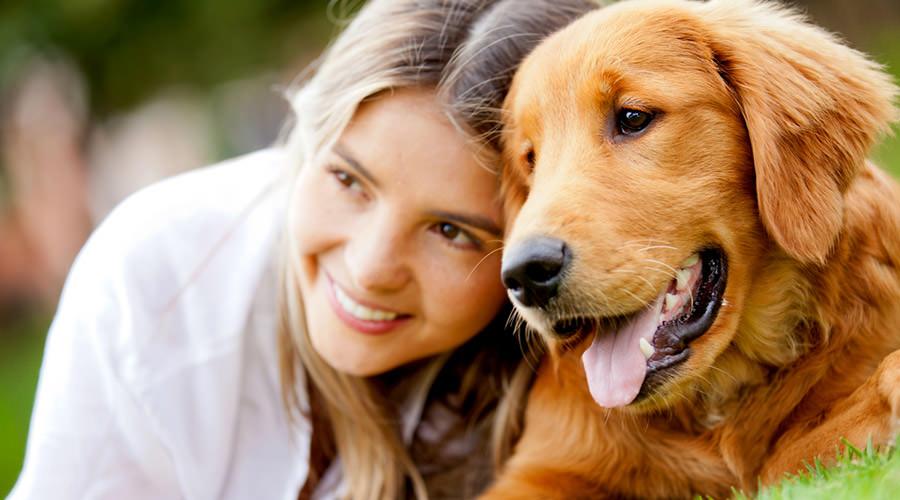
<point x="404" y="140"/>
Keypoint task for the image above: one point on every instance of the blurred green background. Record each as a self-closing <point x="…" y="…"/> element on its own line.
<point x="100" y="97"/>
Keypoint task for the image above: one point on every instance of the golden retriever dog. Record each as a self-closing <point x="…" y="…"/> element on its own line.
<point x="698" y="238"/>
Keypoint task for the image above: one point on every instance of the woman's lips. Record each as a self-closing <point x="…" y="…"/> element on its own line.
<point x="361" y="317"/>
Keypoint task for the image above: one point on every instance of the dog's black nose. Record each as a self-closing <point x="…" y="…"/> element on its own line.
<point x="533" y="271"/>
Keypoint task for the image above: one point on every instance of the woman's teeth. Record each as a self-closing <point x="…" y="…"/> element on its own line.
<point x="360" y="311"/>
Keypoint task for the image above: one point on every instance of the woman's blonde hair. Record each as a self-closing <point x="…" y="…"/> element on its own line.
<point x="467" y="50"/>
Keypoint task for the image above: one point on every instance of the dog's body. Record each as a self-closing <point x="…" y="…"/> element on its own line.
<point x="648" y="136"/>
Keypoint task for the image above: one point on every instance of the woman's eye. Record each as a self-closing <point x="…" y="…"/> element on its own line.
<point x="449" y="231"/>
<point x="346" y="179"/>
<point x="455" y="235"/>
<point x="632" y="121"/>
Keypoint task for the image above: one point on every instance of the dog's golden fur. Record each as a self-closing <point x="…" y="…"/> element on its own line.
<point x="758" y="146"/>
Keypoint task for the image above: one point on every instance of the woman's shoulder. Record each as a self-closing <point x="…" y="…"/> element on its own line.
<point x="173" y="225"/>
<point x="196" y="201"/>
<point x="175" y="270"/>
<point x="165" y="334"/>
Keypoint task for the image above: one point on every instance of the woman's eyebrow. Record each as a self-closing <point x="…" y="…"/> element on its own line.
<point x="347" y="157"/>
<point x="479" y="221"/>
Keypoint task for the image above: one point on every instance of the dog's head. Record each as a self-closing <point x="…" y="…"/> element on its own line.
<point x="655" y="152"/>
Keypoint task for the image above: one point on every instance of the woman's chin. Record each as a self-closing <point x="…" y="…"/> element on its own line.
<point x="349" y="357"/>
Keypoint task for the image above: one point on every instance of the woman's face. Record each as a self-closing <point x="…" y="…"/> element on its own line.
<point x="398" y="229"/>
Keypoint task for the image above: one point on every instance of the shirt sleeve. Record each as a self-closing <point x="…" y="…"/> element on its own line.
<point x="89" y="436"/>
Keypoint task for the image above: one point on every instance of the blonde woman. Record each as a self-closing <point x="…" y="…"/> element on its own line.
<point x="319" y="320"/>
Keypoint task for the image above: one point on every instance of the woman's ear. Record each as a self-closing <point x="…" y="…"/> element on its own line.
<point x="813" y="108"/>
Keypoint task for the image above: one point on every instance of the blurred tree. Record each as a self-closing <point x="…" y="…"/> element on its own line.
<point x="856" y="20"/>
<point x="128" y="49"/>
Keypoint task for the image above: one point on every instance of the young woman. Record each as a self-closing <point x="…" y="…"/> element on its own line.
<point x="323" y="319"/>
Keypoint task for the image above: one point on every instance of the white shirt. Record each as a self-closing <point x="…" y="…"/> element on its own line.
<point x="160" y="376"/>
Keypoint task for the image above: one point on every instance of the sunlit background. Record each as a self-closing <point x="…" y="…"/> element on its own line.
<point x="101" y="97"/>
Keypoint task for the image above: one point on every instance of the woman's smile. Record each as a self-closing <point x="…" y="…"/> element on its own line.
<point x="365" y="317"/>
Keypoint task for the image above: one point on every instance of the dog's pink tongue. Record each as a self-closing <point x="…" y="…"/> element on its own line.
<point x="614" y="364"/>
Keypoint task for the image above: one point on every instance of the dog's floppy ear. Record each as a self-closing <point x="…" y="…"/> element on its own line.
<point x="813" y="108"/>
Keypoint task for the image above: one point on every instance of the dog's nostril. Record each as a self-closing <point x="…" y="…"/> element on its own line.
<point x="541" y="271"/>
<point x="511" y="283"/>
<point x="533" y="270"/>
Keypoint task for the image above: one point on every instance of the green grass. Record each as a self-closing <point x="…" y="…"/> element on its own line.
<point x="887" y="155"/>
<point x="887" y="51"/>
<point x="858" y="474"/>
<point x="21" y="347"/>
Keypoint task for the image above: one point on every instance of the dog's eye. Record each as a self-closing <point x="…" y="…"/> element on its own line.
<point x="528" y="155"/>
<point x="632" y="121"/>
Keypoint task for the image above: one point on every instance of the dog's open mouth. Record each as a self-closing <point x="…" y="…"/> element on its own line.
<point x="629" y="354"/>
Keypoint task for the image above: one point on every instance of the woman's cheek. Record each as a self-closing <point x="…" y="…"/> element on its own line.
<point x="490" y="292"/>
<point x="318" y="218"/>
<point x="471" y="299"/>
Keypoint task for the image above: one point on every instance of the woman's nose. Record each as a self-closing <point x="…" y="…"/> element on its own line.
<point x="377" y="258"/>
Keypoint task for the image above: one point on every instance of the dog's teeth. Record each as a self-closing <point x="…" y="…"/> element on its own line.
<point x="691" y="260"/>
<point x="682" y="277"/>
<point x="646" y="349"/>
<point x="671" y="301"/>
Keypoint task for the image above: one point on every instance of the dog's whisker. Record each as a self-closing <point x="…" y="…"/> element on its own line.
<point x="650" y="285"/>
<point x="511" y="320"/>
<point x="656" y="247"/>
<point x="629" y="292"/>
<point x="699" y="389"/>
<point x="517" y="322"/>
<point x="665" y="272"/>
<point x="525" y="340"/>
<point x="642" y="241"/>
<point x="684" y="397"/>
<point x="731" y="376"/>
<point x="486" y="256"/>
<point x="590" y="305"/>
<point x="654" y="261"/>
